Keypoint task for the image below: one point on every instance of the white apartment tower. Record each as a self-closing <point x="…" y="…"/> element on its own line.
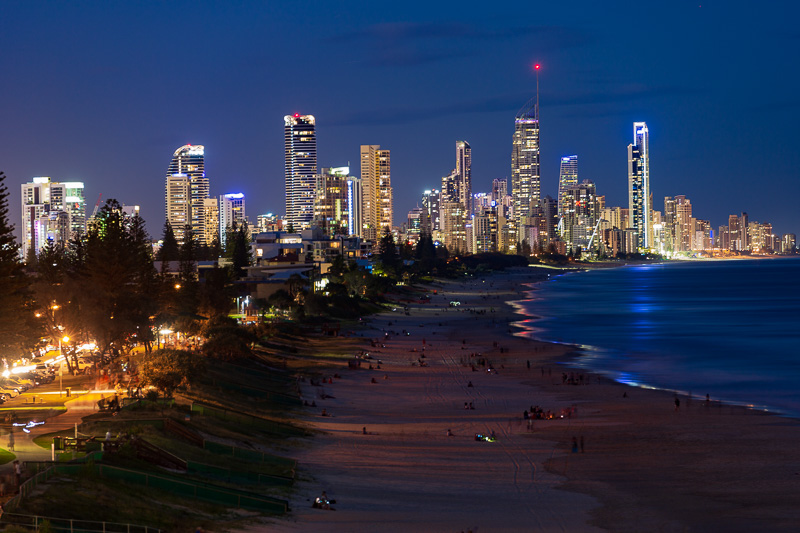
<point x="639" y="183"/>
<point x="567" y="177"/>
<point x="51" y="212"/>
<point x="231" y="211"/>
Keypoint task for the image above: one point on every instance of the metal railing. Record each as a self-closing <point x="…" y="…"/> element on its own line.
<point x="69" y="525"/>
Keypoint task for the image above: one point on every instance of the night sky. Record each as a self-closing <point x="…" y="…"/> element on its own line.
<point x="104" y="92"/>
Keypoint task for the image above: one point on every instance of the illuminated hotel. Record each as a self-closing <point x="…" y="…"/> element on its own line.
<point x="639" y="183"/>
<point x="300" y="139"/>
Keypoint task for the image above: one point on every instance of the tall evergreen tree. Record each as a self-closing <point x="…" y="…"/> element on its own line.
<point x="387" y="250"/>
<point x="117" y="278"/>
<point x="169" y="250"/>
<point x="15" y="295"/>
<point x="241" y="252"/>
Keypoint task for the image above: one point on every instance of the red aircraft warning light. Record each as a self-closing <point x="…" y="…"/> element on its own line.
<point x="537" y="66"/>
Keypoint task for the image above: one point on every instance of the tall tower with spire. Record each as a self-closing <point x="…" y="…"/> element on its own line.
<point x="525" y="176"/>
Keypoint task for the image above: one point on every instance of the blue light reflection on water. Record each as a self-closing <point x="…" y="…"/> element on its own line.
<point x="727" y="328"/>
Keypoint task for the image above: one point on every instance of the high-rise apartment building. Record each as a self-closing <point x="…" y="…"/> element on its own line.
<point x="51" y="212"/>
<point x="211" y="214"/>
<point x="464" y="174"/>
<point x="567" y="177"/>
<point x="189" y="161"/>
<point x="639" y="183"/>
<point x="178" y="204"/>
<point x="430" y="203"/>
<point x="231" y="212"/>
<point x="331" y="207"/>
<point x="683" y="224"/>
<point x="300" y="170"/>
<point x="376" y="191"/>
<point x="499" y="189"/>
<point x="355" y="198"/>
<point x="525" y="177"/>
<point x="579" y="215"/>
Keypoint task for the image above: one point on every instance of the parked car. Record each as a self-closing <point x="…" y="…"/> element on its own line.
<point x="8" y="392"/>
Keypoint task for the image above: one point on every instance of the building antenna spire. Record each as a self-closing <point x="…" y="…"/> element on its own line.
<point x="536" y="68"/>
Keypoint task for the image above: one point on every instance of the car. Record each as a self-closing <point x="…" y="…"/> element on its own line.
<point x="8" y="392"/>
<point x="20" y="381"/>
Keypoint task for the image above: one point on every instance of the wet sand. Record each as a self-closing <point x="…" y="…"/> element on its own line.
<point x="645" y="466"/>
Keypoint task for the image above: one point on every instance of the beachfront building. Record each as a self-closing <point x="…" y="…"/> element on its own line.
<point x="463" y="175"/>
<point x="579" y="215"/>
<point x="300" y="168"/>
<point x="51" y="212"/>
<point x="231" y="213"/>
<point x="567" y="177"/>
<point x="332" y="213"/>
<point x="377" y="211"/>
<point x="639" y="200"/>
<point x="188" y="165"/>
<point x="525" y="176"/>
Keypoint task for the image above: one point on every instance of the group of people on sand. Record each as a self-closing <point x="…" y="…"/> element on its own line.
<point x="537" y="413"/>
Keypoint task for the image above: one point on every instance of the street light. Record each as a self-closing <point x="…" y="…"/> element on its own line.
<point x="61" y="365"/>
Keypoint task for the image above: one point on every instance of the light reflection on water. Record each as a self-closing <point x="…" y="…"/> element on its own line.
<point x="729" y="329"/>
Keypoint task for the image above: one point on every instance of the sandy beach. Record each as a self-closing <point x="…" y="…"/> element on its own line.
<point x="397" y="448"/>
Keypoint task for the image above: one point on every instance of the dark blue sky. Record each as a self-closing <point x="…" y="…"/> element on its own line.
<point x="104" y="92"/>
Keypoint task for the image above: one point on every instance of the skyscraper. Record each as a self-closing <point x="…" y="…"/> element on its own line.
<point x="189" y="161"/>
<point x="464" y="174"/>
<point x="376" y="190"/>
<point x="51" y="211"/>
<point x="567" y="177"/>
<point x="525" y="178"/>
<point x="300" y="140"/>
<point x="332" y="212"/>
<point x="231" y="211"/>
<point x="639" y="183"/>
<point x="178" y="204"/>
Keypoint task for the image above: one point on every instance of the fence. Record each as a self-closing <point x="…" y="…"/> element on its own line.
<point x="250" y="455"/>
<point x="270" y="426"/>
<point x="238" y="476"/>
<point x="69" y="525"/>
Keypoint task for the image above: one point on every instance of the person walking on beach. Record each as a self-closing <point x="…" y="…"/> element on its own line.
<point x="574" y="445"/>
<point x="677" y="403"/>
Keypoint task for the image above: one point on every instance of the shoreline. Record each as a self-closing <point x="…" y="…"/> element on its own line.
<point x="583" y="350"/>
<point x="384" y="455"/>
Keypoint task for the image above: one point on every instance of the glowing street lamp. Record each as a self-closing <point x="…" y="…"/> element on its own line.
<point x="61" y="365"/>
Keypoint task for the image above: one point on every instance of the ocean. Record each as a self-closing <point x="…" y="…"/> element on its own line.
<point x="728" y="328"/>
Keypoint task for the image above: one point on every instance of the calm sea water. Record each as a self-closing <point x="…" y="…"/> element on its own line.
<point x="730" y="329"/>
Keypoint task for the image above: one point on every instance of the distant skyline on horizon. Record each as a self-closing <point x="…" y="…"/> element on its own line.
<point x="89" y="97"/>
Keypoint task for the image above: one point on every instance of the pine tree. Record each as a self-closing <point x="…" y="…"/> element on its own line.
<point x="15" y="295"/>
<point x="241" y="252"/>
<point x="169" y="246"/>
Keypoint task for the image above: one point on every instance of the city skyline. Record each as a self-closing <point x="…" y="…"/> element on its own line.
<point x="104" y="127"/>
